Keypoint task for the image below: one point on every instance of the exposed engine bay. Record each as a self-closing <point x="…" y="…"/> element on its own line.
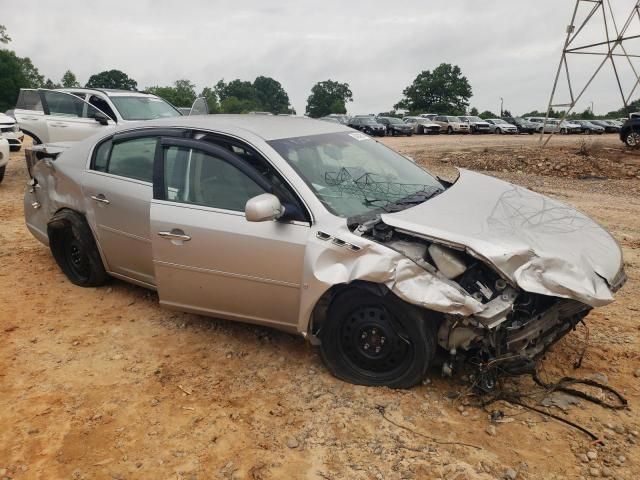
<point x="513" y="328"/>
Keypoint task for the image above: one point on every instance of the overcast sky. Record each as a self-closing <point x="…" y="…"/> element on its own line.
<point x="506" y="48"/>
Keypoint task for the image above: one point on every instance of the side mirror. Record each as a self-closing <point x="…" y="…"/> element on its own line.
<point x="263" y="208"/>
<point x="101" y="118"/>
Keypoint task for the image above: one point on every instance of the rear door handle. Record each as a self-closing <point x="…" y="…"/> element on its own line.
<point x="100" y="198"/>
<point x="175" y="234"/>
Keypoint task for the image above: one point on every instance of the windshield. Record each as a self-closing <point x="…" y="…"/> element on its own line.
<point x="475" y="119"/>
<point x="143" y="108"/>
<point x="353" y="175"/>
<point x="453" y="119"/>
<point x="395" y="121"/>
<point x="497" y="121"/>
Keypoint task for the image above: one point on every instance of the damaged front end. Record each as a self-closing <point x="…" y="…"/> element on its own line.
<point x="495" y="323"/>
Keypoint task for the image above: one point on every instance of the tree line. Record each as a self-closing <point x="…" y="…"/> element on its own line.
<point x="445" y="90"/>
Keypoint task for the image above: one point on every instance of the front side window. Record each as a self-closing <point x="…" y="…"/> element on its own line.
<point x="198" y="178"/>
<point x="130" y="158"/>
<point x="143" y="108"/>
<point x="67" y="105"/>
<point x="354" y="175"/>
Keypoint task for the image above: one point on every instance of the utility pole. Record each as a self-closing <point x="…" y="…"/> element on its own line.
<point x="612" y="48"/>
<point x="501" y="106"/>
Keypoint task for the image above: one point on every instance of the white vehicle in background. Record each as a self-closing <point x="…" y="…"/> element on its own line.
<point x="73" y="114"/>
<point x="500" y="126"/>
<point x="4" y="157"/>
<point x="10" y="131"/>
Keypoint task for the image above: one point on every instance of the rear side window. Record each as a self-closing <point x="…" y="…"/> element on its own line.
<point x="131" y="158"/>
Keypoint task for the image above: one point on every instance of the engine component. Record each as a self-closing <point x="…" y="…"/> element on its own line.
<point x="450" y="263"/>
<point x="382" y="232"/>
<point x="414" y="251"/>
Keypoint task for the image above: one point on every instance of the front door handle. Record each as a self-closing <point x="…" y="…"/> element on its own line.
<point x="100" y="198"/>
<point x="175" y="234"/>
<point x="59" y="124"/>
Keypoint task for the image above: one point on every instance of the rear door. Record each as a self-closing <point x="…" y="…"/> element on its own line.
<point x="207" y="257"/>
<point x="118" y="188"/>
<point x="69" y="118"/>
<point x="30" y="115"/>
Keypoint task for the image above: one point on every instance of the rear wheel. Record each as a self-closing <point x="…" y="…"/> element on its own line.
<point x="376" y="341"/>
<point x="75" y="250"/>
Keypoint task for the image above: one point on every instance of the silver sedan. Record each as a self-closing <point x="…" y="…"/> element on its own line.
<point x="319" y="230"/>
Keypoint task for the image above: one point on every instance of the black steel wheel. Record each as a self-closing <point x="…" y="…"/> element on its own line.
<point x="375" y="340"/>
<point x="75" y="250"/>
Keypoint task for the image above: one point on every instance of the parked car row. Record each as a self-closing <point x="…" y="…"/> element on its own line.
<point x="431" y="123"/>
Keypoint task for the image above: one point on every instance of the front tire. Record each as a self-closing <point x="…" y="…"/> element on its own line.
<point x="450" y="130"/>
<point x="74" y="248"/>
<point x="375" y="340"/>
<point x="632" y="140"/>
<point x="2" y="170"/>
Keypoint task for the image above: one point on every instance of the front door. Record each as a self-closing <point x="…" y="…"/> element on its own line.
<point x="69" y="118"/>
<point x="208" y="258"/>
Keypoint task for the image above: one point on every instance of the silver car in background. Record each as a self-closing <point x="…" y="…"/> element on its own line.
<point x="422" y="126"/>
<point x="500" y="126"/>
<point x="319" y="230"/>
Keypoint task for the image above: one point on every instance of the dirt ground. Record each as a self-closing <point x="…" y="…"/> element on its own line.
<point x="104" y="384"/>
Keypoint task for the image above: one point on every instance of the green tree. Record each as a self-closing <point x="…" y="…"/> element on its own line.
<point x="69" y="80"/>
<point x="11" y="79"/>
<point x="31" y="74"/>
<point x="182" y="94"/>
<point x="328" y="97"/>
<point x="112" y="79"/>
<point x="474" y="112"/>
<point x="487" y="114"/>
<point x="4" y="36"/>
<point x="270" y="95"/>
<point x="237" y="96"/>
<point x="50" y="84"/>
<point x="212" y="99"/>
<point x="445" y="90"/>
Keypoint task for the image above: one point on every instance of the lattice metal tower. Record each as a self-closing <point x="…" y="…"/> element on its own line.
<point x="613" y="47"/>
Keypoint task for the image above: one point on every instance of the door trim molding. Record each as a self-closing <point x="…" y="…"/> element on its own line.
<point x="227" y="274"/>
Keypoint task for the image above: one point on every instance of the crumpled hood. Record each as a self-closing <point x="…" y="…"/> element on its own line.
<point x="541" y="244"/>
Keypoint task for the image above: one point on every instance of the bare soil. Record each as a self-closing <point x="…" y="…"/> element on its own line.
<point x="105" y="384"/>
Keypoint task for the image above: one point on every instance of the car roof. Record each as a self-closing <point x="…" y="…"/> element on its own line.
<point x="111" y="92"/>
<point x="267" y="127"/>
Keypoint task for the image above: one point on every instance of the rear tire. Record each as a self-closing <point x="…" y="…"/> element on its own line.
<point x="74" y="248"/>
<point x="375" y="340"/>
<point x="2" y="170"/>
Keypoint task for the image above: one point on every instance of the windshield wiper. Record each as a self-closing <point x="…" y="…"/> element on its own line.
<point x="417" y="198"/>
